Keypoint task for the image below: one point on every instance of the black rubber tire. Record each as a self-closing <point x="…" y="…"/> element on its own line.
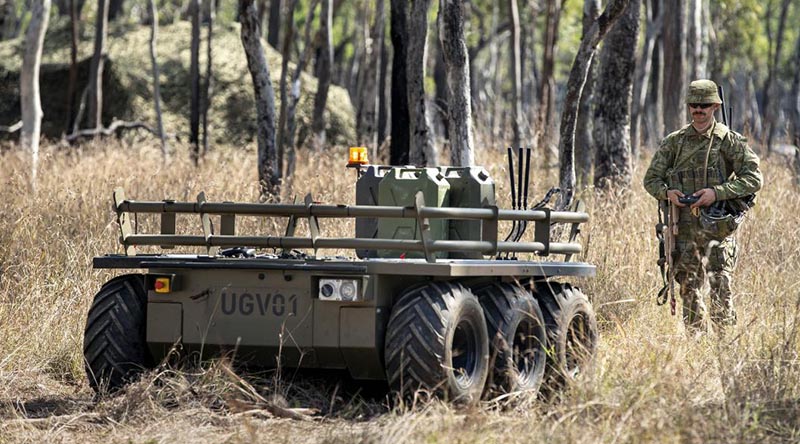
<point x="518" y="338"/>
<point x="571" y="331"/>
<point x="114" y="342"/>
<point x="437" y="341"/>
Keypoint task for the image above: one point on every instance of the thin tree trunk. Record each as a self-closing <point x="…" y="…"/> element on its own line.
<point x="398" y="153"/>
<point x="577" y="78"/>
<point x="771" y="101"/>
<point x="697" y="41"/>
<point x="516" y="75"/>
<point x="583" y="133"/>
<point x="294" y="97"/>
<point x="268" y="170"/>
<point x="8" y="19"/>
<point x="654" y="116"/>
<point x="643" y="78"/>
<point x="674" y="67"/>
<point x="547" y="86"/>
<point x="98" y="60"/>
<point x="368" y="90"/>
<point x="114" y="9"/>
<point x="286" y="50"/>
<point x="274" y="27"/>
<point x="156" y="78"/>
<point x="421" y="149"/>
<point x="73" y="64"/>
<point x="208" y="85"/>
<point x="30" y="99"/>
<point x="194" y="79"/>
<point x="459" y="109"/>
<point x="324" y="73"/>
<point x="383" y="111"/>
<point x="613" y="160"/>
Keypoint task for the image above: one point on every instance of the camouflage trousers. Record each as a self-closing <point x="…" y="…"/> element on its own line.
<point x="700" y="258"/>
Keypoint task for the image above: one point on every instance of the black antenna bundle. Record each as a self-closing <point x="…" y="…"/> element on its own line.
<point x="519" y="195"/>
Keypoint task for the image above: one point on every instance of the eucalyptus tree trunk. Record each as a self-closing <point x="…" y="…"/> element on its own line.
<point x="674" y="68"/>
<point x="274" y="26"/>
<point x="287" y="139"/>
<point x="547" y="85"/>
<point x="96" y="70"/>
<point x="577" y="78"/>
<point x="156" y="81"/>
<point x="454" y="50"/>
<point x="72" y="86"/>
<point x="583" y="133"/>
<point x="516" y="74"/>
<point x="208" y="86"/>
<point x="613" y="160"/>
<point x="771" y="101"/>
<point x="30" y="99"/>
<point x="286" y="51"/>
<point x="653" y="115"/>
<point x="194" y="80"/>
<point x="324" y="73"/>
<point x="269" y="172"/>
<point x="398" y="152"/>
<point x="644" y="69"/>
<point x="367" y="121"/>
<point x="697" y="41"/>
<point x="421" y="148"/>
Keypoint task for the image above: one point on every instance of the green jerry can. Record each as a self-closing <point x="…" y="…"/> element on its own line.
<point x="470" y="187"/>
<point x="398" y="188"/>
<point x="367" y="194"/>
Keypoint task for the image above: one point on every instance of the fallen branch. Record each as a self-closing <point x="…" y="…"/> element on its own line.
<point x="11" y="128"/>
<point x="273" y="408"/>
<point x="116" y="125"/>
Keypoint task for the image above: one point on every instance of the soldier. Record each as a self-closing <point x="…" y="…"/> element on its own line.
<point x="707" y="160"/>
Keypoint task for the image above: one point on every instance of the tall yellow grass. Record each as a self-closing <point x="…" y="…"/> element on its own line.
<point x="651" y="382"/>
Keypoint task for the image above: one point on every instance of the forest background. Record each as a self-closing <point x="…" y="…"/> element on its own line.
<point x="592" y="94"/>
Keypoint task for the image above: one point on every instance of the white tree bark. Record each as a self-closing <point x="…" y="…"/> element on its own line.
<point x="454" y="49"/>
<point x="98" y="62"/>
<point x="30" y="99"/>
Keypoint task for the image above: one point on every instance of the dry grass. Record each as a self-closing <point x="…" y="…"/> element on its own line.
<point x="651" y="382"/>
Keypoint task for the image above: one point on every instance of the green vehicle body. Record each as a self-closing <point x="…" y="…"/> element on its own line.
<point x="271" y="310"/>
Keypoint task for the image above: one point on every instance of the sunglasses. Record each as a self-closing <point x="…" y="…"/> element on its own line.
<point x="701" y="105"/>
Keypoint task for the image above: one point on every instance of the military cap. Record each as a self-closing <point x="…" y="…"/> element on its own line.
<point x="703" y="91"/>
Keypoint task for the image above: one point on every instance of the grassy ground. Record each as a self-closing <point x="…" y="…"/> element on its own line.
<point x="651" y="382"/>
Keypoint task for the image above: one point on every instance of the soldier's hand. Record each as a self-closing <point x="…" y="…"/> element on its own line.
<point x="673" y="196"/>
<point x="707" y="196"/>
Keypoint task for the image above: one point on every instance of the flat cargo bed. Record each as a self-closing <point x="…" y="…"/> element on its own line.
<point x="413" y="267"/>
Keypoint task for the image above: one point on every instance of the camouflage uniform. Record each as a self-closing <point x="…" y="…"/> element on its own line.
<point x="733" y="172"/>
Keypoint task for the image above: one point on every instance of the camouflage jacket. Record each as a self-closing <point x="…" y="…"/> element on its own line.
<point x="731" y="160"/>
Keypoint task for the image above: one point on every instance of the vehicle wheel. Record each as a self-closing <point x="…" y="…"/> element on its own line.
<point x="571" y="330"/>
<point x="517" y="338"/>
<point x="114" y="343"/>
<point x="437" y="341"/>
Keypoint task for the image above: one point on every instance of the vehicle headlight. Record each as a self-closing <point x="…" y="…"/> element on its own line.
<point x="339" y="290"/>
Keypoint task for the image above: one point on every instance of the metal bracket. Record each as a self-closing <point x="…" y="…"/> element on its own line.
<point x="542" y="232"/>
<point x="489" y="228"/>
<point x="291" y="226"/>
<point x="124" y="221"/>
<point x="424" y="226"/>
<point x="575" y="230"/>
<point x="313" y="222"/>
<point x="208" y="227"/>
<point x="168" y="222"/>
<point x="227" y="224"/>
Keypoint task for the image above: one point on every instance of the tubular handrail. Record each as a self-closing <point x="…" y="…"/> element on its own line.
<point x="489" y="216"/>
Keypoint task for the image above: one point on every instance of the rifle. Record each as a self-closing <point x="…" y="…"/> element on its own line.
<point x="667" y="232"/>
